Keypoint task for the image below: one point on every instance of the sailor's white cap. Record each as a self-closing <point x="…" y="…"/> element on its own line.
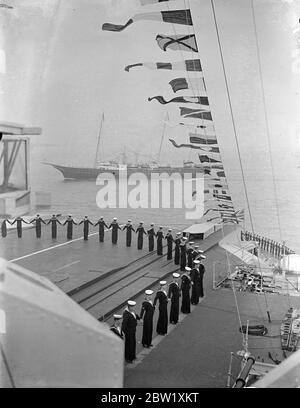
<point x="131" y="303"/>
<point x="196" y="246"/>
<point x="191" y="243"/>
<point x="200" y="250"/>
<point x="187" y="268"/>
<point x="169" y="229"/>
<point x="160" y="227"/>
<point x="69" y="215"/>
<point x="129" y="220"/>
<point x="185" y="238"/>
<point x="163" y="283"/>
<point x="151" y="224"/>
<point x="101" y="218"/>
<point x="141" y="222"/>
<point x="117" y="317"/>
<point x="202" y="256"/>
<point x="148" y="292"/>
<point x="115" y="218"/>
<point x="178" y="233"/>
<point x="196" y="261"/>
<point x="176" y="275"/>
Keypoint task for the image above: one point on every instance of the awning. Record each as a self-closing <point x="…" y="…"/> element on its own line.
<point x="291" y="263"/>
<point x="201" y="228"/>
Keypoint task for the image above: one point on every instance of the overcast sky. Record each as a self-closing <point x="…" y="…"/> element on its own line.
<point x="63" y="71"/>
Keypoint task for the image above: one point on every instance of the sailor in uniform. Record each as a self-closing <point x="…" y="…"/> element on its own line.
<point x="140" y="231"/>
<point x="116" y="327"/>
<point x="53" y="221"/>
<point x="201" y="271"/>
<point x="19" y="221"/>
<point x="177" y="248"/>
<point x="170" y="239"/>
<point x="195" y="278"/>
<point x="174" y="295"/>
<point x="189" y="253"/>
<point x="162" y="298"/>
<point x="38" y="225"/>
<point x="101" y="224"/>
<point x="151" y="235"/>
<point x="159" y="241"/>
<point x="69" y="221"/>
<point x="129" y="324"/>
<point x="86" y="222"/>
<point x="146" y="314"/>
<point x="197" y="252"/>
<point x="4" y="227"/>
<point x="183" y="253"/>
<point x="185" y="289"/>
<point x="114" y="226"/>
<point x="128" y="227"/>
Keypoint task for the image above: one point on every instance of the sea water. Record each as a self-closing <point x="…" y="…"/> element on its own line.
<point x="271" y="209"/>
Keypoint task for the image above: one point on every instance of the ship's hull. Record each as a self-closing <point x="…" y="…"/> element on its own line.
<point x="85" y="173"/>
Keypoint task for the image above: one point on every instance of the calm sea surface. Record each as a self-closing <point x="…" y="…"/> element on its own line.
<point x="277" y="219"/>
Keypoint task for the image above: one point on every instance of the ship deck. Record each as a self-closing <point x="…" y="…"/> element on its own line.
<point x="196" y="352"/>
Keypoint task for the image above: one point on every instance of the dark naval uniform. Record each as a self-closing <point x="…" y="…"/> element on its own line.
<point x="147" y="312"/>
<point x="151" y="235"/>
<point x="201" y="271"/>
<point x="114" y="233"/>
<point x="38" y="226"/>
<point x="53" y="220"/>
<point x="69" y="222"/>
<point x="182" y="256"/>
<point x="86" y="222"/>
<point x="129" y="328"/>
<point x="174" y="295"/>
<point x="190" y="257"/>
<point x="128" y="228"/>
<point x="140" y="231"/>
<point x="162" y="323"/>
<point x="118" y="331"/>
<point x="186" y="298"/>
<point x="195" y="278"/>
<point x="170" y="240"/>
<point x="101" y="224"/>
<point x="19" y="221"/>
<point x="195" y="255"/>
<point x="159" y="238"/>
<point x="4" y="228"/>
<point x="177" y="251"/>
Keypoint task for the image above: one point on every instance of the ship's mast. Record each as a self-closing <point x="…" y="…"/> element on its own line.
<point x="98" y="142"/>
<point x="162" y="137"/>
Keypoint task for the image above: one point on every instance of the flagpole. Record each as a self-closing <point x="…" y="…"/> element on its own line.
<point x="162" y="138"/>
<point x="98" y="142"/>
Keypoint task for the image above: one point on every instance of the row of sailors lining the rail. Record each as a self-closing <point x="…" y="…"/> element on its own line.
<point x="272" y="247"/>
<point x="189" y="290"/>
<point x="183" y="254"/>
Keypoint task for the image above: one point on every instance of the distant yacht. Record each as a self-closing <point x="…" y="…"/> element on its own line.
<point x="115" y="167"/>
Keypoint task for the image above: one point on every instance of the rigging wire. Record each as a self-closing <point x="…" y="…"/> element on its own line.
<point x="7" y="366"/>
<point x="219" y="211"/>
<point x="236" y="138"/>
<point x="267" y="126"/>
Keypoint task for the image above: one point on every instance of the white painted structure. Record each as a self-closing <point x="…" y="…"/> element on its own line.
<point x="48" y="340"/>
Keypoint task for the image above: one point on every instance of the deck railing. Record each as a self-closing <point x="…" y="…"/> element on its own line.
<point x="274" y="248"/>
